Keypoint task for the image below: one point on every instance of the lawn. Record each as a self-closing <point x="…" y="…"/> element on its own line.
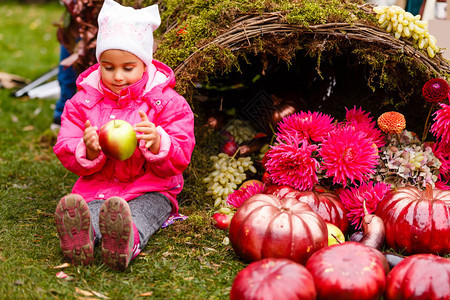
<point x="184" y="261"/>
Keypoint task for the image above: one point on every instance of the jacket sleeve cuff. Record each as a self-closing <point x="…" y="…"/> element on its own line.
<point x="164" y="146"/>
<point x="80" y="155"/>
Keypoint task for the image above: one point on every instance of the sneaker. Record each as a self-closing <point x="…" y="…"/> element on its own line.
<point x="73" y="223"/>
<point x="116" y="227"/>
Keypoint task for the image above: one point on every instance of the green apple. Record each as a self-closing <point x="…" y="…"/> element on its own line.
<point x="117" y="139"/>
<point x="335" y="235"/>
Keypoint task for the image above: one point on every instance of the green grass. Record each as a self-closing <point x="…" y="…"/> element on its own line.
<point x="184" y="261"/>
<point x="28" y="38"/>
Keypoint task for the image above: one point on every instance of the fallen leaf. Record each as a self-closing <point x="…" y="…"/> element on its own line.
<point x="188" y="278"/>
<point x="28" y="128"/>
<point x="209" y="249"/>
<point x="83" y="292"/>
<point x="99" y="295"/>
<point x="61" y="275"/>
<point x="147" y="294"/>
<point x="69" y="278"/>
<point x="37" y="111"/>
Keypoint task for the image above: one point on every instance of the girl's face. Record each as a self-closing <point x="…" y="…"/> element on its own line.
<point x="119" y="69"/>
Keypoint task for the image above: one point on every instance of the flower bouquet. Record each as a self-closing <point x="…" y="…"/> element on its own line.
<point x="358" y="158"/>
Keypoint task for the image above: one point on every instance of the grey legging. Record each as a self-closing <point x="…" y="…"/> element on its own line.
<point x="148" y="211"/>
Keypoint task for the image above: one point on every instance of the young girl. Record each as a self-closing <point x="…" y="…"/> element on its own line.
<point x="122" y="203"/>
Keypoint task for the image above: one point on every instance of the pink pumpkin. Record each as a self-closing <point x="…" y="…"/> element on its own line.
<point x="417" y="221"/>
<point x="273" y="278"/>
<point x="328" y="205"/>
<point x="348" y="271"/>
<point x="419" y="277"/>
<point x="267" y="226"/>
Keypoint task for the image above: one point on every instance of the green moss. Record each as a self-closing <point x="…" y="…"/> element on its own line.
<point x="197" y="221"/>
<point x="207" y="144"/>
<point x="317" y="12"/>
<point x="190" y="24"/>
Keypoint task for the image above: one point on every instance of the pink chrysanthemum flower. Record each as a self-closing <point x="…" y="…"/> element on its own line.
<point x="348" y="155"/>
<point x="353" y="199"/>
<point x="442" y="152"/>
<point x="311" y="126"/>
<point x="442" y="185"/>
<point x="362" y="121"/>
<point x="240" y="195"/>
<point x="293" y="163"/>
<point x="370" y="132"/>
<point x="441" y="126"/>
<point x="359" y="116"/>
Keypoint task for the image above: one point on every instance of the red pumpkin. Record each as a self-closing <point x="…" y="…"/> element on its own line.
<point x="419" y="277"/>
<point x="273" y="278"/>
<point x="348" y="271"/>
<point x="327" y="205"/>
<point x="417" y="221"/>
<point x="279" y="191"/>
<point x="267" y="226"/>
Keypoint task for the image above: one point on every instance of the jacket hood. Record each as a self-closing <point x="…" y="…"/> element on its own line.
<point x="158" y="74"/>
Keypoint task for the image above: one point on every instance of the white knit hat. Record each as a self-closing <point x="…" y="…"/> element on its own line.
<point x="126" y="28"/>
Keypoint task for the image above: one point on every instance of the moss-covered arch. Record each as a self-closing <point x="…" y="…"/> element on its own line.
<point x="201" y="38"/>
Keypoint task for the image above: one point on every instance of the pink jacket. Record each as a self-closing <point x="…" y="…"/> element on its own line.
<point x="144" y="171"/>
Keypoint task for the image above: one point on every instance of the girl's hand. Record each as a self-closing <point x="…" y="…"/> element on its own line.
<point x="149" y="133"/>
<point x="90" y="139"/>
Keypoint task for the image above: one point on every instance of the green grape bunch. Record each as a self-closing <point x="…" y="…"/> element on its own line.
<point x="402" y="24"/>
<point x="241" y="130"/>
<point x="228" y="173"/>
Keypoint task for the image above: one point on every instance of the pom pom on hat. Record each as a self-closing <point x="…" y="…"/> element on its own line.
<point x="126" y="28"/>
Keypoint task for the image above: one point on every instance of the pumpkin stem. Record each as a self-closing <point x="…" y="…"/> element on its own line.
<point x="366" y="212"/>
<point x="428" y="191"/>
